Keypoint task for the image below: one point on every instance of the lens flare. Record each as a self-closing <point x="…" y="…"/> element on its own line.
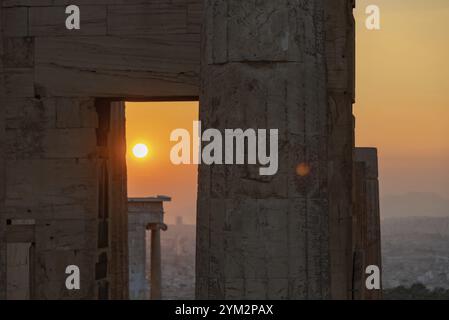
<point x="303" y="169"/>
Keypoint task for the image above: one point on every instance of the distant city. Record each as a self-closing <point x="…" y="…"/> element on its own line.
<point x="415" y="250"/>
<point x="178" y="261"/>
<point x="415" y="237"/>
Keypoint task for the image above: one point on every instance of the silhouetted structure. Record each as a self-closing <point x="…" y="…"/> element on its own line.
<point x="366" y="222"/>
<point x="287" y="65"/>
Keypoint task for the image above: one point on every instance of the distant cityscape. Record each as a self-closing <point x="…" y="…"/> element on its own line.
<point x="178" y="261"/>
<point x="414" y="249"/>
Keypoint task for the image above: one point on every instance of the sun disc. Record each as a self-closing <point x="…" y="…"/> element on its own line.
<point x="140" y="150"/>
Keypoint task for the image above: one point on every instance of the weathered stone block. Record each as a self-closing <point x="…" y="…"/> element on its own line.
<point x="216" y="32"/>
<point x="32" y="142"/>
<point x="19" y="82"/>
<point x="75" y="113"/>
<point x="251" y="32"/>
<point x="194" y="16"/>
<point x="29" y="113"/>
<point x="70" y="194"/>
<point x="15" y="21"/>
<point x="50" y="274"/>
<point x="24" y="143"/>
<point x="69" y="143"/>
<point x="118" y="67"/>
<point x="58" y="234"/>
<point x="265" y="31"/>
<point x="147" y="19"/>
<point x="19" y="52"/>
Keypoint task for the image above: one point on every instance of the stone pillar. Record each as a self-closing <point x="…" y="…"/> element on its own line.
<point x="264" y="66"/>
<point x="145" y="214"/>
<point x="2" y="168"/>
<point x="359" y="232"/>
<point x="138" y="285"/>
<point x="368" y="237"/>
<point x="156" y="269"/>
<point x="340" y="65"/>
<point x="118" y="202"/>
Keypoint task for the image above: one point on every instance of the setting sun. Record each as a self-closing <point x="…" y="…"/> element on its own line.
<point x="140" y="150"/>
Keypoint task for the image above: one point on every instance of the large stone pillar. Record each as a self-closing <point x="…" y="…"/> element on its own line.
<point x="368" y="235"/>
<point x="2" y="169"/>
<point x="340" y="65"/>
<point x="264" y="66"/>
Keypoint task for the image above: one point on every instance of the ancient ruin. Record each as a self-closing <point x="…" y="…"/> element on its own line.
<point x="287" y="65"/>
<point x="145" y="214"/>
<point x="366" y="221"/>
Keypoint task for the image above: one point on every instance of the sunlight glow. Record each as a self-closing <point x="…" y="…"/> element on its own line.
<point x="140" y="150"/>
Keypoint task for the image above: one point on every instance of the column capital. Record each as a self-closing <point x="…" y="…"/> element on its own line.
<point x="157" y="226"/>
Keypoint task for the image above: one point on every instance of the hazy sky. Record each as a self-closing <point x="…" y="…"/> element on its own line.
<point x="402" y="109"/>
<point x="403" y="93"/>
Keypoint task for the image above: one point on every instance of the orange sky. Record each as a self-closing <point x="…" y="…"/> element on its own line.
<point x="151" y="124"/>
<point x="403" y="93"/>
<point x="402" y="109"/>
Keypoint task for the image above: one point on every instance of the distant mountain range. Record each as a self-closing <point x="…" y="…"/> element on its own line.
<point x="415" y="204"/>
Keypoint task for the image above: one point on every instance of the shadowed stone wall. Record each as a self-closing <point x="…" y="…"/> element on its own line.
<point x="275" y="64"/>
<point x="61" y="149"/>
